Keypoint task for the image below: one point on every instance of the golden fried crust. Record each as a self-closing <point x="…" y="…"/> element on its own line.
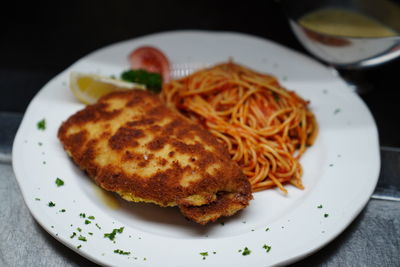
<point x="129" y="142"/>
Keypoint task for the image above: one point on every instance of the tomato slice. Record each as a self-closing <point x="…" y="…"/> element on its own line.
<point x="150" y="59"/>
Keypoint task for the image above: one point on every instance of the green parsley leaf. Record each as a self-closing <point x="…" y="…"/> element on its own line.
<point x="98" y="226"/>
<point x="326" y="215"/>
<point x="111" y="235"/>
<point x="59" y="182"/>
<point x="152" y="80"/>
<point x="320" y="206"/>
<point x="37" y="199"/>
<point x="267" y="248"/>
<point x="78" y="247"/>
<point x="121" y="252"/>
<point x="79" y="229"/>
<point x="51" y="204"/>
<point x="82" y="238"/>
<point x="246" y="251"/>
<point x="267" y="229"/>
<point x="91" y="217"/>
<point x="73" y="235"/>
<point x="41" y="125"/>
<point x="87" y="222"/>
<point x="62" y="210"/>
<point x="82" y="215"/>
<point x="203" y="253"/>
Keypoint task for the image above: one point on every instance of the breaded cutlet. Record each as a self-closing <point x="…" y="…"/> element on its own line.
<point x="130" y="143"/>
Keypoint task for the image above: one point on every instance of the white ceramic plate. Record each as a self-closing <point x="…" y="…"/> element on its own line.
<point x="340" y="170"/>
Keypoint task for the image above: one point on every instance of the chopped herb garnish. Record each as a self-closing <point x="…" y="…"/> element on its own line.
<point x="111" y="235"/>
<point x="119" y="251"/>
<point x="38" y="199"/>
<point x="78" y="247"/>
<point x="98" y="226"/>
<point x="326" y="215"/>
<point x="82" y="238"/>
<point x="153" y="81"/>
<point x="51" y="204"/>
<point x="320" y="206"/>
<point x="214" y="252"/>
<point x="82" y="215"/>
<point x="79" y="229"/>
<point x="41" y="125"/>
<point x="63" y="210"/>
<point x="87" y="222"/>
<point x="73" y="235"/>
<point x="246" y="251"/>
<point x="91" y="217"/>
<point x="267" y="229"/>
<point x="267" y="248"/>
<point x="90" y="233"/>
<point x="59" y="182"/>
<point x="276" y="96"/>
<point x="203" y="253"/>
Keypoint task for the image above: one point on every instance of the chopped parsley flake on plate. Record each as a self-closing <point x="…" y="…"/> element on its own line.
<point x="246" y="251"/>
<point x="87" y="222"/>
<point x="267" y="248"/>
<point x="59" y="182"/>
<point x="82" y="238"/>
<point x="204" y="254"/>
<point x="91" y="217"/>
<point x="111" y="235"/>
<point x="320" y="206"/>
<point x="41" y="125"/>
<point x="121" y="252"/>
<point x="52" y="204"/>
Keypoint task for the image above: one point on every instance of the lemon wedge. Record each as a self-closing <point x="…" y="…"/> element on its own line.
<point x="88" y="88"/>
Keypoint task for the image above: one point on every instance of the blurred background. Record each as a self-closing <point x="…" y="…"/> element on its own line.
<point x="39" y="39"/>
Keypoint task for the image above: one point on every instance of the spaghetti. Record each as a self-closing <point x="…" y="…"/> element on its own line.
<point x="265" y="127"/>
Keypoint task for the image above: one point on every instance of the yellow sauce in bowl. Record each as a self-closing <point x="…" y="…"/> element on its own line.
<point x="343" y="22"/>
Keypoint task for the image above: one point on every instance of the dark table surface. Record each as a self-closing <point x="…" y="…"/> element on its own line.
<point x="39" y="40"/>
